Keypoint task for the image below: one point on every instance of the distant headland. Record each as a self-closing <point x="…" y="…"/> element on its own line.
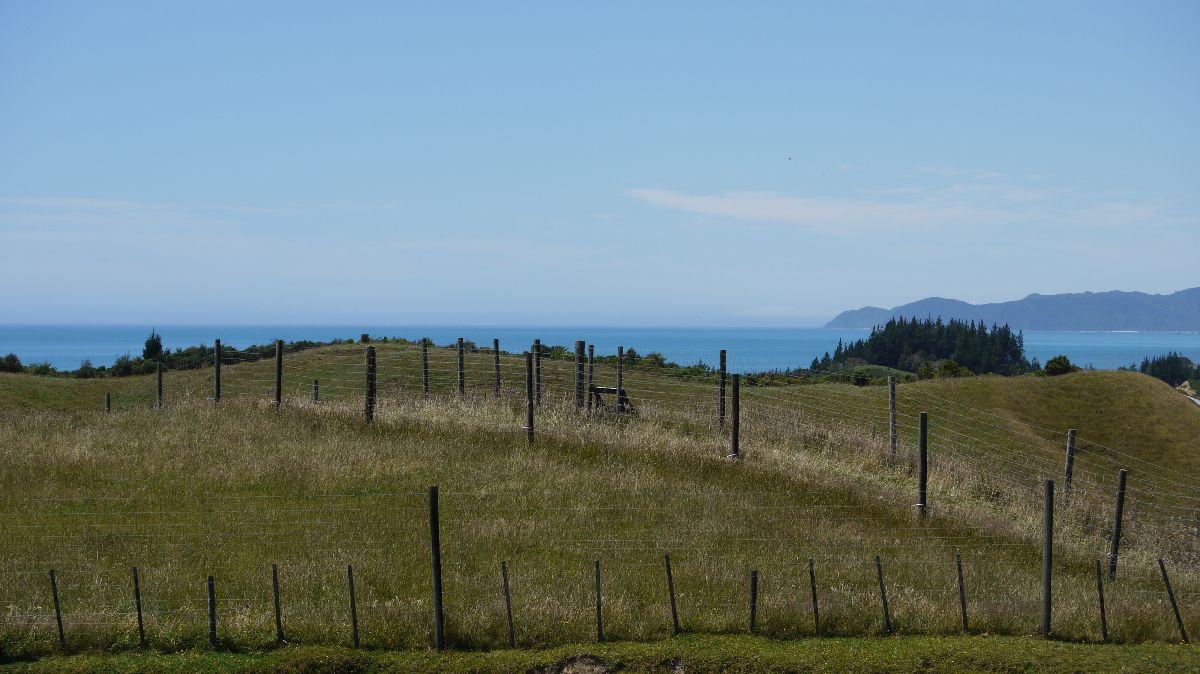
<point x="1107" y="311"/>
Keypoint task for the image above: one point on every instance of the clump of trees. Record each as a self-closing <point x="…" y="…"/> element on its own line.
<point x="11" y="363"/>
<point x="1171" y="368"/>
<point x="932" y="347"/>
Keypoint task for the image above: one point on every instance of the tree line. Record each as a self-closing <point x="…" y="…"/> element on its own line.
<point x="925" y="348"/>
<point x="196" y="357"/>
<point x="153" y="355"/>
<point x="1172" y="368"/>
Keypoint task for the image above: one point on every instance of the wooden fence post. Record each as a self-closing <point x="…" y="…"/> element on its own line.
<point x="353" y="606"/>
<point x="496" y="364"/>
<point x="512" y="632"/>
<point x="962" y="592"/>
<point x="599" y="606"/>
<point x="736" y="430"/>
<point x="1100" y="593"/>
<point x="316" y="391"/>
<point x="107" y="402"/>
<point x="721" y="392"/>
<point x="1070" y="467"/>
<point x="369" y="397"/>
<point x="158" y="404"/>
<point x="137" y="604"/>
<point x="435" y="551"/>
<point x="529" y="397"/>
<point x="923" y="466"/>
<point x="217" y="357"/>
<point x="578" y="375"/>
<point x="537" y="371"/>
<point x="1047" y="557"/>
<point x="591" y="374"/>
<point x="462" y="370"/>
<point x="212" y="612"/>
<point x="1115" y="545"/>
<point x="62" y="636"/>
<point x="278" y="612"/>
<point x="620" y="377"/>
<point x="1196" y="499"/>
<point x="671" y="592"/>
<point x="1174" y="606"/>
<point x="425" y="366"/>
<point x="753" y="599"/>
<point x="887" y="615"/>
<point x="812" y="581"/>
<point x="892" y="413"/>
<point x="278" y="373"/>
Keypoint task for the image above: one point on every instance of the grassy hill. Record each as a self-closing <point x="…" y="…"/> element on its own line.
<point x="1140" y="414"/>
<point x="196" y="489"/>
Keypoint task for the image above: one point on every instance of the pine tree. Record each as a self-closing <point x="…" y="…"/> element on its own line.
<point x="153" y="348"/>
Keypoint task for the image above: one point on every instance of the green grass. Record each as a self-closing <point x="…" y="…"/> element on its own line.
<point x="29" y="392"/>
<point x="696" y="654"/>
<point x="1014" y="430"/>
<point x="1126" y="410"/>
<point x="197" y="489"/>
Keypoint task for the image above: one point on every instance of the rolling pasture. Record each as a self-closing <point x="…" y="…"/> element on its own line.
<point x="227" y="489"/>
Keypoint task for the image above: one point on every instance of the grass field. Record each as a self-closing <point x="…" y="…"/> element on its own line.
<point x="196" y="489"/>
<point x="695" y="654"/>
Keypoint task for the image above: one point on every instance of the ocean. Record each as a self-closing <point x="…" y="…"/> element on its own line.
<point x="750" y="349"/>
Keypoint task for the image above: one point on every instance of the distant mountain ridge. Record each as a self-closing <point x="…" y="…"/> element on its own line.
<point x="1105" y="311"/>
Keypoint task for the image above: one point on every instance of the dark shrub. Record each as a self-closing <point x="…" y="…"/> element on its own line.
<point x="86" y="370"/>
<point x="1059" y="365"/>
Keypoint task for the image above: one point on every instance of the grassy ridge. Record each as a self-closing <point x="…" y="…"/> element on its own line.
<point x="193" y="490"/>
<point x="1130" y="411"/>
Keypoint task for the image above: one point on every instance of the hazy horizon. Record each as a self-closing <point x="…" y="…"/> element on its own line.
<point x="801" y="322"/>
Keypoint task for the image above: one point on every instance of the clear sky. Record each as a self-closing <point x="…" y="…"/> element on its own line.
<point x="612" y="163"/>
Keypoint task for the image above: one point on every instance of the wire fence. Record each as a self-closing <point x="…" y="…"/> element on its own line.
<point x="385" y="538"/>
<point x="980" y="440"/>
<point x="813" y="561"/>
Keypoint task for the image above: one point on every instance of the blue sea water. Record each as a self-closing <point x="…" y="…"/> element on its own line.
<point x="750" y="349"/>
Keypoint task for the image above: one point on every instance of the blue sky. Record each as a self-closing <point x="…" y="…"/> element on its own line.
<point x="613" y="163"/>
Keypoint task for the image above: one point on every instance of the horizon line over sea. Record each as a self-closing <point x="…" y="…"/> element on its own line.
<point x="65" y="346"/>
<point x="501" y="326"/>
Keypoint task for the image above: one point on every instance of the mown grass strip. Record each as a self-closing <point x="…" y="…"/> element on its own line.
<point x="691" y="653"/>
